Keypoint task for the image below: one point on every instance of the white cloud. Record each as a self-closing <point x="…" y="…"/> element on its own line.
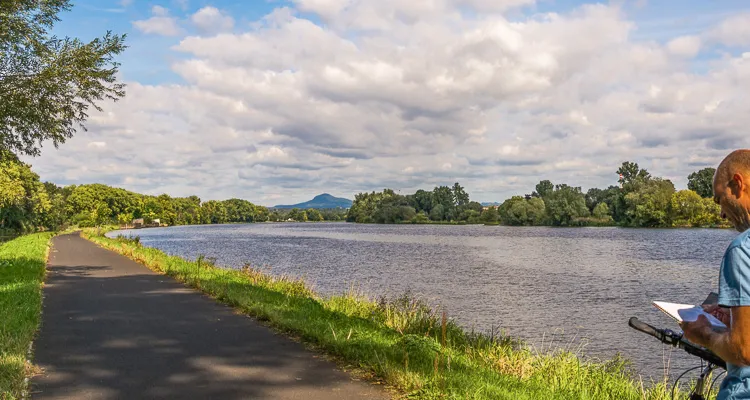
<point x="161" y="23"/>
<point x="415" y="94"/>
<point x="733" y="31"/>
<point x="96" y="145"/>
<point x="125" y="3"/>
<point x="212" y="20"/>
<point x="685" y="46"/>
<point x="159" y="11"/>
<point x="183" y="4"/>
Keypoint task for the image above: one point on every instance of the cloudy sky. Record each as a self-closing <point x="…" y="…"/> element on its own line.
<point x="276" y="101"/>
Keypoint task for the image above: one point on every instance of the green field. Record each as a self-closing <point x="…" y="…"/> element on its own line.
<point x="22" y="266"/>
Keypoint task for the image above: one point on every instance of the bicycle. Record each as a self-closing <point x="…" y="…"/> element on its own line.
<point x="701" y="391"/>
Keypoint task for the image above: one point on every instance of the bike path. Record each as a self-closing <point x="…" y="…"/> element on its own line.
<point x="113" y="329"/>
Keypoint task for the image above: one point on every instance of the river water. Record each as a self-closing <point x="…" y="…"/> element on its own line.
<point x="554" y="287"/>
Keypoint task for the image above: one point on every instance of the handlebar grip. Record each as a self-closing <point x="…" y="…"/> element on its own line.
<point x="635" y="323"/>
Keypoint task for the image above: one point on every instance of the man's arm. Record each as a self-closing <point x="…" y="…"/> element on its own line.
<point x="732" y="345"/>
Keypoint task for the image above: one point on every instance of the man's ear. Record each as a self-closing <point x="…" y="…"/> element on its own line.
<point x="739" y="183"/>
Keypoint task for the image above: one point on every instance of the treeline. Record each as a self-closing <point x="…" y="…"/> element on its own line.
<point x="640" y="200"/>
<point x="26" y="205"/>
<point x="442" y="204"/>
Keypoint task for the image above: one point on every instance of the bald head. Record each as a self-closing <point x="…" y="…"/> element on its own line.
<point x="737" y="162"/>
<point x="732" y="188"/>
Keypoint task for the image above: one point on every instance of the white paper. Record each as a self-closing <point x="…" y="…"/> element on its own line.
<point x="687" y="312"/>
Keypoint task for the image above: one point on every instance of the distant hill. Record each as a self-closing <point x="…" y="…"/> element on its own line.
<point x="324" y="200"/>
<point x="490" y="204"/>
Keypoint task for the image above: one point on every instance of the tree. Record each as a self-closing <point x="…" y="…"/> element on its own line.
<point x="601" y="211"/>
<point x="687" y="207"/>
<point x="544" y="189"/>
<point x="421" y="200"/>
<point x="535" y="211"/>
<point x="702" y="182"/>
<point x="513" y="211"/>
<point x="565" y="205"/>
<point x="460" y="197"/>
<point x="649" y="204"/>
<point x="443" y="195"/>
<point x="298" y="215"/>
<point x="437" y="213"/>
<point x="630" y="172"/>
<point x="690" y="209"/>
<point x="489" y="216"/>
<point x="314" y="215"/>
<point x="24" y="202"/>
<point x="593" y="197"/>
<point x="47" y="84"/>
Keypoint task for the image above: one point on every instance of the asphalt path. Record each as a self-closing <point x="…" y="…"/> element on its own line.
<point x="113" y="329"/>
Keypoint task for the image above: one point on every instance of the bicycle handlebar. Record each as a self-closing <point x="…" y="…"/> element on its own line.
<point x="636" y="324"/>
<point x="676" y="340"/>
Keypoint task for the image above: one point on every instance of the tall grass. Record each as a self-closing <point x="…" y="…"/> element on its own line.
<point x="400" y="341"/>
<point x="22" y="266"/>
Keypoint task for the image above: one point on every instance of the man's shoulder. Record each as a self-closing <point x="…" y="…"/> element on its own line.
<point x="741" y="242"/>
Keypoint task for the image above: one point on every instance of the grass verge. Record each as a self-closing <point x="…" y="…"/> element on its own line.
<point x="402" y="342"/>
<point x="22" y="266"/>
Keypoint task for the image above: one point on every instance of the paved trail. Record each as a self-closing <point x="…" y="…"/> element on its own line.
<point x="113" y="329"/>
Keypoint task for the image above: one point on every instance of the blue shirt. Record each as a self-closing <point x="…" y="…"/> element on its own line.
<point x="734" y="291"/>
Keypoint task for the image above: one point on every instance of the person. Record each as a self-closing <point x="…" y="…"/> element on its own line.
<point x="732" y="192"/>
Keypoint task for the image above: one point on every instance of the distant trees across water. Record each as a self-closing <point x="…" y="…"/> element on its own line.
<point x="26" y="205"/>
<point x="640" y="200"/>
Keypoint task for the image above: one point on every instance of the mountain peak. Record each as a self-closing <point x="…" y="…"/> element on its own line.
<point x="321" y="201"/>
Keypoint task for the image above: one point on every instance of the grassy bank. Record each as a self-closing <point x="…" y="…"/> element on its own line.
<point x="22" y="266"/>
<point x="401" y="342"/>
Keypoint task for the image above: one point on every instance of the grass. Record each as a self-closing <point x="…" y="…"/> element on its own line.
<point x="22" y="266"/>
<point x="400" y="342"/>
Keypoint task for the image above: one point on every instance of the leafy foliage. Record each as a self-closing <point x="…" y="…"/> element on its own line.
<point x="48" y="84"/>
<point x="641" y="200"/>
<point x="565" y="205"/>
<point x="442" y="204"/>
<point x="702" y="182"/>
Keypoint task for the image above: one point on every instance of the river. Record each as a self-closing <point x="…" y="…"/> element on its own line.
<point x="571" y="288"/>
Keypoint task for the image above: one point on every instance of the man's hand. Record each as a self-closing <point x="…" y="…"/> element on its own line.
<point x="720" y="313"/>
<point x="698" y="331"/>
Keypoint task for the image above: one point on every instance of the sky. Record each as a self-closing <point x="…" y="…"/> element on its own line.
<point x="277" y="101"/>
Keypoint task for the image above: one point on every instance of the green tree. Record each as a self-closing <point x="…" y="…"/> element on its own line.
<point x="566" y="205"/>
<point x="47" y="83"/>
<point x="687" y="208"/>
<point x="24" y="202"/>
<point x="314" y="215"/>
<point x="711" y="213"/>
<point x="702" y="182"/>
<point x="489" y="216"/>
<point x="214" y="212"/>
<point x="421" y="200"/>
<point x="460" y="197"/>
<point x="544" y="189"/>
<point x="437" y="213"/>
<point x="298" y="215"/>
<point x="443" y="196"/>
<point x="513" y="211"/>
<point x="535" y="211"/>
<point x="630" y="172"/>
<point x="648" y="205"/>
<point x="601" y="211"/>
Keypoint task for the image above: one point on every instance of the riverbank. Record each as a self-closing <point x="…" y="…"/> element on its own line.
<point x="22" y="270"/>
<point x="400" y="342"/>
